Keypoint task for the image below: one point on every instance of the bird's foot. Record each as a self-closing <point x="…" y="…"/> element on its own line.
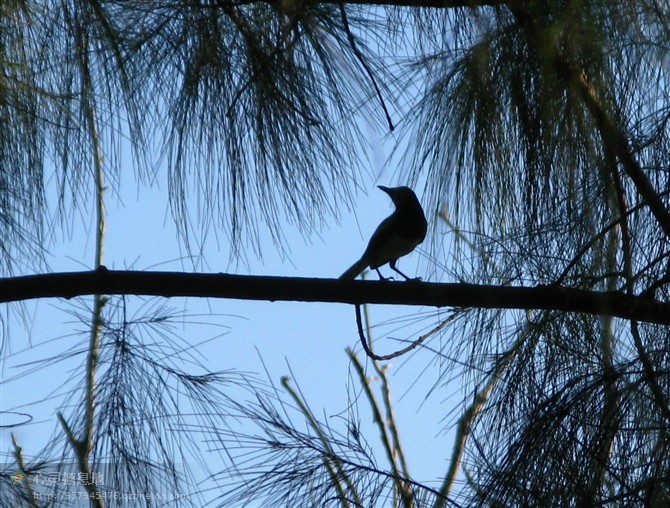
<point x="381" y="277"/>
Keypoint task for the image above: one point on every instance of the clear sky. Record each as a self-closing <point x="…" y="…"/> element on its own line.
<point x="309" y="338"/>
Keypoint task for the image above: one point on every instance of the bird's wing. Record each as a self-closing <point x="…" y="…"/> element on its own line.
<point x="377" y="240"/>
<point x="386" y="244"/>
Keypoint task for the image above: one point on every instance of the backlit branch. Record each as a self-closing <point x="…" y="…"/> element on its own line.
<point x="248" y="287"/>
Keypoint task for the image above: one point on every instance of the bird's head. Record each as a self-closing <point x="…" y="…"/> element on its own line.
<point x="400" y="195"/>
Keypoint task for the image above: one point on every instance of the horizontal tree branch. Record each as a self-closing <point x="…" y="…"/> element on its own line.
<point x="246" y="287"/>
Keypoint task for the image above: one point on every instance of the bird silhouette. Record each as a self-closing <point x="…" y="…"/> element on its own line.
<point x="396" y="236"/>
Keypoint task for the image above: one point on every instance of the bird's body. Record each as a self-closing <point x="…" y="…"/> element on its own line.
<point x="396" y="236"/>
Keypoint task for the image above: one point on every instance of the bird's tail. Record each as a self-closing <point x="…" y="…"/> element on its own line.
<point x="354" y="270"/>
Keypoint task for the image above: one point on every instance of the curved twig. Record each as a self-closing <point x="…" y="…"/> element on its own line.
<point x="414" y="344"/>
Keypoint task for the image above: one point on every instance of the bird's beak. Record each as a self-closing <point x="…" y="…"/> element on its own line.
<point x="385" y="189"/>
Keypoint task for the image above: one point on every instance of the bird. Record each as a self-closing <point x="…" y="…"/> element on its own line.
<point x="396" y="236"/>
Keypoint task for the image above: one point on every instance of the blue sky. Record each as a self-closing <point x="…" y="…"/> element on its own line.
<point x="307" y="338"/>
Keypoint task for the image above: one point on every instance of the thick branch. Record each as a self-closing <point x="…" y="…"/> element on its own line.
<point x="614" y="140"/>
<point x="613" y="137"/>
<point x="245" y="287"/>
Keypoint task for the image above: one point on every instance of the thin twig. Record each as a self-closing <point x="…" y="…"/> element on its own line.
<point x="414" y="344"/>
<point x="361" y="59"/>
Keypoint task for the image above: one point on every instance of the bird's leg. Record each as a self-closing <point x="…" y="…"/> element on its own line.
<point x="393" y="267"/>
<point x="381" y="277"/>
